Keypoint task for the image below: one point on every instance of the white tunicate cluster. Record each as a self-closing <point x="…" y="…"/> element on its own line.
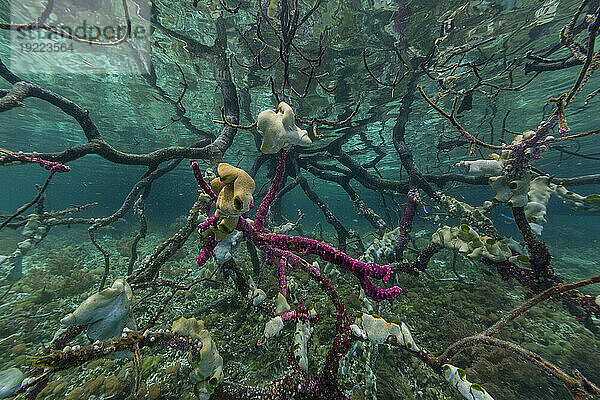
<point x="589" y="203"/>
<point x="224" y="248"/>
<point x="283" y="229"/>
<point x="34" y="232"/>
<point x="512" y="192"/>
<point x="367" y="302"/>
<point x="350" y="356"/>
<point x="381" y="247"/>
<point x="466" y="241"/>
<point x="292" y="289"/>
<point x="377" y="330"/>
<point x="467" y="213"/>
<point x="301" y="338"/>
<point x="370" y="383"/>
<point x="256" y="295"/>
<point x="332" y="272"/>
<point x="273" y="327"/>
<point x="516" y="247"/>
<point x="535" y="210"/>
<point x="520" y="260"/>
<point x="457" y="378"/>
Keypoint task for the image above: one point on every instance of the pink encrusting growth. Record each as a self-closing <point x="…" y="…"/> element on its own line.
<point x="274" y="244"/>
<point x="405" y="225"/>
<point x="207" y="223"/>
<point x="207" y="250"/>
<point x="201" y="182"/>
<point x="282" y="265"/>
<point x="363" y="271"/>
<point x="281" y="247"/>
<point x="300" y="314"/>
<point x="261" y="214"/>
<point x="51" y="166"/>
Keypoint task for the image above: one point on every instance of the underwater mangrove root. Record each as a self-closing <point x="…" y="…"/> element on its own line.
<point x="228" y="9"/>
<point x="35" y="227"/>
<point x="456" y="72"/>
<point x="405" y="224"/>
<point x="150" y="266"/>
<point x="284" y="26"/>
<point x="69" y="357"/>
<point x="578" y="49"/>
<point x="175" y="287"/>
<point x="26" y="206"/>
<point x="96" y="144"/>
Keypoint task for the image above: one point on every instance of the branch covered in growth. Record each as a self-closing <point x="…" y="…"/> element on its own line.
<point x="274" y="244"/>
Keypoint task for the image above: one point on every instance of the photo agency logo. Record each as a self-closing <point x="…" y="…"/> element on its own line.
<point x="81" y="36"/>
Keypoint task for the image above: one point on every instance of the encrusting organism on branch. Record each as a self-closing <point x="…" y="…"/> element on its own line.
<point x="279" y="246"/>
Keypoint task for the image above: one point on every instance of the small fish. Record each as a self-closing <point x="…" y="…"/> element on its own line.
<point x="507" y="219"/>
<point x="21" y="115"/>
<point x="87" y="62"/>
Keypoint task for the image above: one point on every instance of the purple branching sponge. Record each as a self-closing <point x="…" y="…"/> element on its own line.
<point x="405" y="225"/>
<point x="275" y="245"/>
<point x="261" y="214"/>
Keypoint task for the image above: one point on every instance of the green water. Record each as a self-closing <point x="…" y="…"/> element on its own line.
<point x="163" y="89"/>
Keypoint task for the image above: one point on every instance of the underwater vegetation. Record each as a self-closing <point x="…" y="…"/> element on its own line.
<point x="245" y="274"/>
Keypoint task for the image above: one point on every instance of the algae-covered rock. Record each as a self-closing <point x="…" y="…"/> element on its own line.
<point x="106" y="313"/>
